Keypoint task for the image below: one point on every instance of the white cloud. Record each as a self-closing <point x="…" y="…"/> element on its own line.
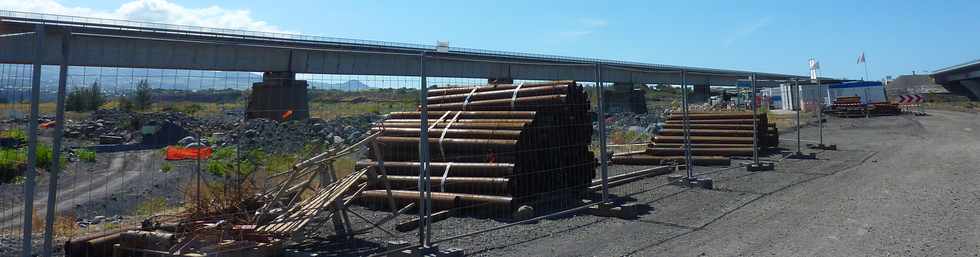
<point x="746" y="31"/>
<point x="585" y="27"/>
<point x="576" y="33"/>
<point x="594" y="23"/>
<point x="160" y="11"/>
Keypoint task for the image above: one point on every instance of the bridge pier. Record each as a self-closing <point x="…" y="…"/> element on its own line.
<point x="625" y="97"/>
<point x="701" y="94"/>
<point x="973" y="87"/>
<point x="278" y="97"/>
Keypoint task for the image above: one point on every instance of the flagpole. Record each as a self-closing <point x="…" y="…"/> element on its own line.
<point x="866" y="71"/>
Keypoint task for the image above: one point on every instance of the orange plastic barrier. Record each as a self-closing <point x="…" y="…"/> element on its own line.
<point x="180" y="153"/>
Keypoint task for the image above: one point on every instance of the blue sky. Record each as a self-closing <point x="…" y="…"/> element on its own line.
<point x="898" y="37"/>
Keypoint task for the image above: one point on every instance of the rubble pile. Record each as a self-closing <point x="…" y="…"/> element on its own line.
<point x="291" y="136"/>
<point x="226" y="129"/>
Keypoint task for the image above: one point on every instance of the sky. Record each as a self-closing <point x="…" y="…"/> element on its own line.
<point x="897" y="37"/>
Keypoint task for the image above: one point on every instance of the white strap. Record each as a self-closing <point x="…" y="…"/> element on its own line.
<point x="467" y="101"/>
<point x="513" y="98"/>
<point x="445" y="174"/>
<point x="439" y="120"/>
<point x="442" y="150"/>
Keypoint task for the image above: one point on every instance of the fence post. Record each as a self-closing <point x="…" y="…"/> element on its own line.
<point x="424" y="194"/>
<point x="59" y="131"/>
<point x="688" y="164"/>
<point x="26" y="241"/>
<point x="603" y="152"/>
<point x="755" y="125"/>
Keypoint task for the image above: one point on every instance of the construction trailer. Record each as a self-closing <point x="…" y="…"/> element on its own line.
<point x="868" y="91"/>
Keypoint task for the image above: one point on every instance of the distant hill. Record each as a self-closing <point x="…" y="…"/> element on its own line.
<point x="350" y="85"/>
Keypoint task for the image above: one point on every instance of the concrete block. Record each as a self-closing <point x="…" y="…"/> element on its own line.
<point x="761" y="166"/>
<point x="431" y="251"/>
<point x="822" y="147"/>
<point x="625" y="211"/>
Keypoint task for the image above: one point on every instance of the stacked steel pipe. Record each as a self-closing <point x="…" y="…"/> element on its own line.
<point x="714" y="137"/>
<point x="500" y="146"/>
<point x="847" y="106"/>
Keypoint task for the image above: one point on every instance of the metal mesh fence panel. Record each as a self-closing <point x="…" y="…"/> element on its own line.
<point x="19" y="142"/>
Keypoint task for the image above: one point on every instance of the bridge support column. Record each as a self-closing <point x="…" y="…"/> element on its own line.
<point x="972" y="86"/>
<point x="278" y="97"/>
<point x="701" y="94"/>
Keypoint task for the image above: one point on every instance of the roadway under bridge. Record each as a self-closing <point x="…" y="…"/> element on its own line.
<point x="115" y="43"/>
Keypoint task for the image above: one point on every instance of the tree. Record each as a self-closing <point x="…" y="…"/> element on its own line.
<point x="142" y="99"/>
<point x="85" y="99"/>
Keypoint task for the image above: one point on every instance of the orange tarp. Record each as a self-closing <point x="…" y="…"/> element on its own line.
<point x="180" y="153"/>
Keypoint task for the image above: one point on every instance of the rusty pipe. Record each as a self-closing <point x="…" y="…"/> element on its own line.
<point x="681" y="145"/>
<point x="644" y="159"/>
<point x="703" y="140"/>
<point x="701" y="151"/>
<point x="713" y="116"/>
<point x="708" y="126"/>
<point x="472" y="185"/>
<point x="463" y="169"/>
<point x="708" y="132"/>
<point x="501" y="94"/>
<point x="714" y="121"/>
<point x="466" y="114"/>
<point x="441" y="200"/>
<point x="493" y="87"/>
<point x="521" y="103"/>
<point x="451" y="133"/>
<point x="459" y="125"/>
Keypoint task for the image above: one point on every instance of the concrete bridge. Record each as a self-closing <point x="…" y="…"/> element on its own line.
<point x="116" y="43"/>
<point x="963" y="79"/>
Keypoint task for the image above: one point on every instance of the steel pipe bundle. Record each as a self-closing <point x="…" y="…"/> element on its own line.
<point x="714" y="137"/>
<point x="495" y="145"/>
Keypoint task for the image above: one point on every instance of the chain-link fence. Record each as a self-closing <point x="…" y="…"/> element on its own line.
<point x="325" y="155"/>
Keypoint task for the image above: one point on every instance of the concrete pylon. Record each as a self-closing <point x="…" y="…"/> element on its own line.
<point x="701" y="94"/>
<point x="972" y="86"/>
<point x="279" y="97"/>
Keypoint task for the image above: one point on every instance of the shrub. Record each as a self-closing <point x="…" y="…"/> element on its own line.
<point x="142" y="99"/>
<point x="85" y="99"/>
<point x="86" y="155"/>
<point x="166" y="167"/>
<point x="16" y="134"/>
<point x="151" y="206"/>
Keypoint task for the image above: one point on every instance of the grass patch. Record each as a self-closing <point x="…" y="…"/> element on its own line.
<point x="15" y="134"/>
<point x="86" y="155"/>
<point x="151" y="206"/>
<point x="166" y="167"/>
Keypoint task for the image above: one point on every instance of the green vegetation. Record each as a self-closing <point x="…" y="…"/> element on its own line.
<point x="226" y="161"/>
<point x="10" y="159"/>
<point x="151" y="206"/>
<point x="628" y="137"/>
<point x="86" y="155"/>
<point x="85" y="99"/>
<point x="16" y="134"/>
<point x="142" y="99"/>
<point x="166" y="167"/>
<point x="329" y="104"/>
